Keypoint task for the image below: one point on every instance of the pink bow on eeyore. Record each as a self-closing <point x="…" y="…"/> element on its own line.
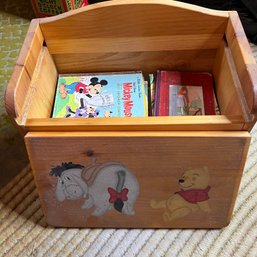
<point x="114" y="195"/>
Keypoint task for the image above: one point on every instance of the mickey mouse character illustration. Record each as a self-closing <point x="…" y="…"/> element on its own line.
<point x="83" y="95"/>
<point x="104" y="186"/>
<point x="86" y="112"/>
<point x="95" y="96"/>
<point x="95" y="87"/>
<point x="192" y="197"/>
<point x="88" y="94"/>
<point x="78" y="87"/>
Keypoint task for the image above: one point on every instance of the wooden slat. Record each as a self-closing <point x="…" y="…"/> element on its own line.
<point x="246" y="66"/>
<point x="224" y="85"/>
<point x="42" y="89"/>
<point x="228" y="86"/>
<point x="180" y="134"/>
<point x="182" y="123"/>
<point x="148" y="62"/>
<point x="31" y="47"/>
<point x="134" y="44"/>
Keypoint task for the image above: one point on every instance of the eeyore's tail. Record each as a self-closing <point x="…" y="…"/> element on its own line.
<point x="119" y="194"/>
<point x="119" y="203"/>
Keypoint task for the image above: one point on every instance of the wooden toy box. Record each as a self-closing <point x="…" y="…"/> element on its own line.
<point x="152" y="172"/>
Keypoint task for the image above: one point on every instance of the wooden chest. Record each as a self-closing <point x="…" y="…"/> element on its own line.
<point x="152" y="172"/>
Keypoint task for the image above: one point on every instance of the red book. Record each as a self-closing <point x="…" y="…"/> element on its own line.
<point x="176" y="91"/>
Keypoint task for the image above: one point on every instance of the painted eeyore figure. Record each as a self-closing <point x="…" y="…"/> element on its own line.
<point x="105" y="186"/>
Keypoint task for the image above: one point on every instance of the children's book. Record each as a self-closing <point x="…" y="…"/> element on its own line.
<point x="184" y="93"/>
<point x="152" y="93"/>
<point x="100" y="95"/>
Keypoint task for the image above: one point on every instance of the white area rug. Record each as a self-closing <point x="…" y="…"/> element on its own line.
<point x="23" y="231"/>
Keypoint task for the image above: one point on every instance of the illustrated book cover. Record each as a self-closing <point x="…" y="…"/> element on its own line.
<point x="184" y="93"/>
<point x="100" y="95"/>
<point x="185" y="100"/>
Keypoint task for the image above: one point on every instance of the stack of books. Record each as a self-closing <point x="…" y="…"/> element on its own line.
<point x="125" y="94"/>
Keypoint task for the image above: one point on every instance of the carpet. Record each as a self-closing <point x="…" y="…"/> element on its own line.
<point x="24" y="232"/>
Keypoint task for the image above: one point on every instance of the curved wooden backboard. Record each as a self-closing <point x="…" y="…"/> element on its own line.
<point x="130" y="18"/>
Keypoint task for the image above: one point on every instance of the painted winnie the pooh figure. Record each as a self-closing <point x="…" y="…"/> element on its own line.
<point x="194" y="184"/>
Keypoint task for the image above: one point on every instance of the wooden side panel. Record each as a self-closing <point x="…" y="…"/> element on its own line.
<point x="18" y="86"/>
<point x="246" y="66"/>
<point x="40" y="100"/>
<point x="228" y="86"/>
<point x="120" y="179"/>
<point x="31" y="47"/>
<point x="16" y="92"/>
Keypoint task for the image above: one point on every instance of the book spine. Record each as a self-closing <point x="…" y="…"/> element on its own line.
<point x="145" y="95"/>
<point x="157" y="94"/>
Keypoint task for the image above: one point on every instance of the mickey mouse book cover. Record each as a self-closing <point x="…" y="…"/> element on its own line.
<point x="100" y="95"/>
